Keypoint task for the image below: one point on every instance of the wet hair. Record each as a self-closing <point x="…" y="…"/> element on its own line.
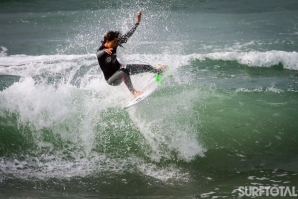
<point x="111" y="35"/>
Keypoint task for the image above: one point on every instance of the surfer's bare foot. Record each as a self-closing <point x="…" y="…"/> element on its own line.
<point x="137" y="93"/>
<point x="161" y="68"/>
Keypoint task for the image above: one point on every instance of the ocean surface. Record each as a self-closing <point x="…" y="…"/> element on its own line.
<point x="224" y="117"/>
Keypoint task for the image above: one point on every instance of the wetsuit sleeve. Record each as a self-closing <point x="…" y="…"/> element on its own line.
<point x="100" y="53"/>
<point x="125" y="37"/>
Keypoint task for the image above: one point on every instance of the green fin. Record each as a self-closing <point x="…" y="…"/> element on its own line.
<point x="158" y="78"/>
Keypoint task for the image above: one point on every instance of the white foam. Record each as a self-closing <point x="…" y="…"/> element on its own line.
<point x="245" y="90"/>
<point x="14" y="60"/>
<point x="274" y="89"/>
<point x="271" y="88"/>
<point x="3" y="52"/>
<point x="161" y="126"/>
<point x="73" y="113"/>
<point x="24" y="65"/>
<point x="45" y="167"/>
<point x="289" y="60"/>
<point x="261" y="59"/>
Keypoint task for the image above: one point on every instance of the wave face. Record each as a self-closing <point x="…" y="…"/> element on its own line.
<point x="224" y="116"/>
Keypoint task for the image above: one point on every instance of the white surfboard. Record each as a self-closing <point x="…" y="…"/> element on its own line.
<point x="147" y="90"/>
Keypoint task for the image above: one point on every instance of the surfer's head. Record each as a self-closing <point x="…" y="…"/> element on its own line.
<point x="111" y="39"/>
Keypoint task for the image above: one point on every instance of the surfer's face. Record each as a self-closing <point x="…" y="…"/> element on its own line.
<point x="112" y="44"/>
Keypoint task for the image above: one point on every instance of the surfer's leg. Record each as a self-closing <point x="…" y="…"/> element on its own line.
<point x="116" y="78"/>
<point x="126" y="79"/>
<point x="140" y="68"/>
<point x="122" y="76"/>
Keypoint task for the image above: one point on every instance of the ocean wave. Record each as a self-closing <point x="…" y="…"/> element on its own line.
<point x="289" y="60"/>
<point x="25" y="65"/>
<point x="22" y="59"/>
<point x="77" y="131"/>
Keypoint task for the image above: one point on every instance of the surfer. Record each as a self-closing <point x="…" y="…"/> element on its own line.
<point x="114" y="72"/>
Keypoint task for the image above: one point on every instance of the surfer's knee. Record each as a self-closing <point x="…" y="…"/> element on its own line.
<point x="115" y="82"/>
<point x="117" y="78"/>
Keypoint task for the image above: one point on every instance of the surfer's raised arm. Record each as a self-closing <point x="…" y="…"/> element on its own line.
<point x="125" y="37"/>
<point x="139" y="17"/>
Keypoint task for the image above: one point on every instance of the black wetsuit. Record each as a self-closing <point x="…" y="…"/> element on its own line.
<point x="113" y="71"/>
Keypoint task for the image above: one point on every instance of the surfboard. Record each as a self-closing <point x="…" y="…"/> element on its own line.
<point x="147" y="90"/>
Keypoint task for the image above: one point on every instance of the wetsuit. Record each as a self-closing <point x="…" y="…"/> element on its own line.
<point x="113" y="71"/>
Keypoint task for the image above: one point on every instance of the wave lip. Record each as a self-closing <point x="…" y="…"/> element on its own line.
<point x="24" y="65"/>
<point x="289" y="60"/>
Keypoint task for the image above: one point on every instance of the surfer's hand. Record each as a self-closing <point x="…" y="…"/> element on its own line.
<point x="109" y="50"/>
<point x="139" y="17"/>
